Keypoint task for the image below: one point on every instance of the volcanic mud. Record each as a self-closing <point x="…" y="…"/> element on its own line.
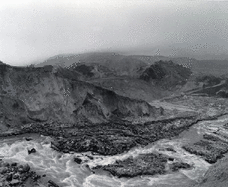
<point x="109" y="138"/>
<point x="144" y="164"/>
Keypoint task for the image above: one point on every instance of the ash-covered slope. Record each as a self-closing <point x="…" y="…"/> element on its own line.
<point x="46" y="96"/>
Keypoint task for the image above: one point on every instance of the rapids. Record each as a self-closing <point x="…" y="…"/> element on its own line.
<point x="62" y="169"/>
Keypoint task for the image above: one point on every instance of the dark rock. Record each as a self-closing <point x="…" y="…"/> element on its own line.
<point x="171" y="159"/>
<point x="90" y="157"/>
<point x="87" y="166"/>
<point x="179" y="165"/>
<point x="78" y="160"/>
<point x="35" y="177"/>
<point x="170" y="149"/>
<point x="9" y="177"/>
<point x="33" y="150"/>
<point x="28" y="139"/>
<point x="52" y="184"/>
<point x="14" y="164"/>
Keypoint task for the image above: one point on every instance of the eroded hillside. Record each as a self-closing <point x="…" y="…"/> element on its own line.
<point x="51" y="96"/>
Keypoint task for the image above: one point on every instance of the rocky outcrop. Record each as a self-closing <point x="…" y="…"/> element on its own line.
<point x="167" y="75"/>
<point x="12" y="174"/>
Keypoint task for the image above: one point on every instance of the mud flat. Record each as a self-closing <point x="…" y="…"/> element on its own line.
<point x="109" y="138"/>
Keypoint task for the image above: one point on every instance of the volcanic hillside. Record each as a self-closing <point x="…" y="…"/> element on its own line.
<point x="128" y="76"/>
<point x="42" y="94"/>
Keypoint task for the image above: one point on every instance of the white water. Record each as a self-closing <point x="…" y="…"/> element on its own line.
<point x="62" y="169"/>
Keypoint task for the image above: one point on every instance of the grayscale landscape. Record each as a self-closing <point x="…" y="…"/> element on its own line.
<point x="114" y="93"/>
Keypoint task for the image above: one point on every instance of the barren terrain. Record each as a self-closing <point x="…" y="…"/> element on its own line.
<point x="112" y="120"/>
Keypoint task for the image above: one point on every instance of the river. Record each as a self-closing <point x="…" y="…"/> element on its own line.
<point x="61" y="168"/>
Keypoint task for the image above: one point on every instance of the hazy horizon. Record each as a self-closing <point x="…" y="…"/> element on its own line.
<point x="34" y="30"/>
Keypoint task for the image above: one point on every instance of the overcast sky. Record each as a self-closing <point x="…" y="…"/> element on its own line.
<point x="33" y="30"/>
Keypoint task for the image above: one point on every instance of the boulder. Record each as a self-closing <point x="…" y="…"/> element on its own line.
<point x="78" y="160"/>
<point x="33" y="150"/>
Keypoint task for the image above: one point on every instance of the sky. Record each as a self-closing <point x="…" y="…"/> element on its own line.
<point x="32" y="30"/>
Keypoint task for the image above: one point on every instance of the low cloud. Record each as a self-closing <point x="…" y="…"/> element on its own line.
<point x="34" y="30"/>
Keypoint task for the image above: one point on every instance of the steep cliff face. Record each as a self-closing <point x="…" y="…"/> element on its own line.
<point x="49" y="96"/>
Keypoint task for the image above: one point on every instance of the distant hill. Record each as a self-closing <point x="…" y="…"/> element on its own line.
<point x="120" y="64"/>
<point x="130" y="64"/>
